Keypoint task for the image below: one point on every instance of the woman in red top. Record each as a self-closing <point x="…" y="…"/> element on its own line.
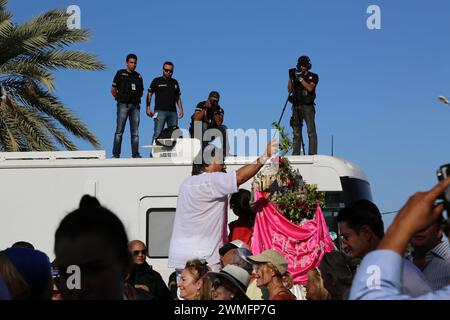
<point x="242" y="228"/>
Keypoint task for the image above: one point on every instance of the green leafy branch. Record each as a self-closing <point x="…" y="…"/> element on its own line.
<point x="285" y="141"/>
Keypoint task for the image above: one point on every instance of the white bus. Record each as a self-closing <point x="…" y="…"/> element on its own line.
<point x="37" y="189"/>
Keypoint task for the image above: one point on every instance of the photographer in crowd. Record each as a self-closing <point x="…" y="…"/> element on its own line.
<point x="302" y="83"/>
<point x="432" y="255"/>
<point x="417" y="214"/>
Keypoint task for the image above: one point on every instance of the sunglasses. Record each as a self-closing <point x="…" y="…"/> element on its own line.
<point x="168" y="70"/>
<point x="137" y="252"/>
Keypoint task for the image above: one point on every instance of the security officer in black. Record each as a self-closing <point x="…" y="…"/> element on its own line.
<point x="303" y="85"/>
<point x="127" y="89"/>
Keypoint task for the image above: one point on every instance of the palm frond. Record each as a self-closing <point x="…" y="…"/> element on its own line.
<point x="52" y="107"/>
<point x="53" y="25"/>
<point x="46" y="125"/>
<point x="8" y="138"/>
<point x="5" y="20"/>
<point x="63" y="59"/>
<point x="3" y="5"/>
<point x="33" y="129"/>
<point x="59" y="136"/>
<point x="34" y="118"/>
<point x="30" y="71"/>
<point x="44" y="33"/>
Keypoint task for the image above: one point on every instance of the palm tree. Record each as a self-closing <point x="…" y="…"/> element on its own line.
<point x="31" y="116"/>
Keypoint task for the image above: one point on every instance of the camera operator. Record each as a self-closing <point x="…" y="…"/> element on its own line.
<point x="204" y="113"/>
<point x="302" y="83"/>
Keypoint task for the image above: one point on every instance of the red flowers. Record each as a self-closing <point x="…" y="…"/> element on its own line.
<point x="294" y="198"/>
<point x="290" y="183"/>
<point x="300" y="204"/>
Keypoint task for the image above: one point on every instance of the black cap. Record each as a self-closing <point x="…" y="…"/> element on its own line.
<point x="304" y="61"/>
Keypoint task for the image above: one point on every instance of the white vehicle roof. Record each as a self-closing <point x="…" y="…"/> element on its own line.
<point x="37" y="189"/>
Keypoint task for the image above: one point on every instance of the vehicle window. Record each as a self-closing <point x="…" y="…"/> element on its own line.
<point x="159" y="231"/>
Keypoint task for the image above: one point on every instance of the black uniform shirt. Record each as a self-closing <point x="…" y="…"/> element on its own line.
<point x="130" y="86"/>
<point x="209" y="111"/>
<point x="209" y="115"/>
<point x="303" y="96"/>
<point x="167" y="91"/>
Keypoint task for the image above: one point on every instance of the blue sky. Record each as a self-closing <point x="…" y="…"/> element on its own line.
<point x="377" y="90"/>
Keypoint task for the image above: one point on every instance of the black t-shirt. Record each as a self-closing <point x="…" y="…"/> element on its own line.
<point x="209" y="115"/>
<point x="302" y="95"/>
<point x="167" y="91"/>
<point x="130" y="86"/>
<point x="209" y="111"/>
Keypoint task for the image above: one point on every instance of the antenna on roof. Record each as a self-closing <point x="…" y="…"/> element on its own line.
<point x="332" y="145"/>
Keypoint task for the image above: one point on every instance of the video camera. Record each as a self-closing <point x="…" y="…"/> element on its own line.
<point x="443" y="173"/>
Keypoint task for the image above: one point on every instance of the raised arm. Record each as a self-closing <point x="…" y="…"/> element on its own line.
<point x="379" y="275"/>
<point x="418" y="213"/>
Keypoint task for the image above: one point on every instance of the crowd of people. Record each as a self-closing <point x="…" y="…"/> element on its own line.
<point x="94" y="258"/>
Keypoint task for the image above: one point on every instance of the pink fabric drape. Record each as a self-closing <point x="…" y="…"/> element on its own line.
<point x="302" y="246"/>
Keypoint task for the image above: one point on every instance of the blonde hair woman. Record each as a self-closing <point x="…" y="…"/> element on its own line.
<point x="194" y="283"/>
<point x="270" y="267"/>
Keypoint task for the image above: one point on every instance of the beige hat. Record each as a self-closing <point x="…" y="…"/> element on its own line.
<point x="272" y="256"/>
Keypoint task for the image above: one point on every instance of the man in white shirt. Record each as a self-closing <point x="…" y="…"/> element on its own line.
<point x="200" y="226"/>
